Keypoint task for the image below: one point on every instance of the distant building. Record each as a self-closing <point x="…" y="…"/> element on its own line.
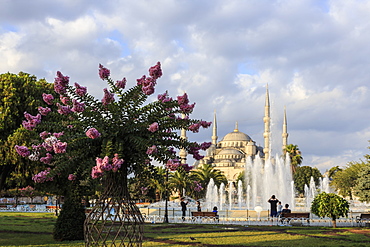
<point x="229" y="155"/>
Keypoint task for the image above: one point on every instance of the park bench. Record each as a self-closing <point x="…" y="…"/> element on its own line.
<point x="287" y="217"/>
<point x="204" y="215"/>
<point x="52" y="208"/>
<point x="363" y="218"/>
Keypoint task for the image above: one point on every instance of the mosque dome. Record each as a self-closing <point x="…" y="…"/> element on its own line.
<point x="236" y="136"/>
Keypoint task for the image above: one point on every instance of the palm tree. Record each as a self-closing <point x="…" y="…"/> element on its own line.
<point x="295" y="156"/>
<point x="204" y="174"/>
<point x="158" y="181"/>
<point x="179" y="181"/>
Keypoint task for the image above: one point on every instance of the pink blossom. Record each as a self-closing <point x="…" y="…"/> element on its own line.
<point x="164" y="97"/>
<point x="141" y="81"/>
<point x="64" y="110"/>
<point x="22" y="150"/>
<point x="32" y="120"/>
<point x="108" y="97"/>
<point x="121" y="84"/>
<point x="42" y="177"/>
<point x="205" y="145"/>
<point x="116" y="162"/>
<point x="152" y="150"/>
<point x="47" y="159"/>
<point x="28" y="126"/>
<point x="104" y="73"/>
<point x="96" y="172"/>
<point x="172" y="165"/>
<point x="60" y="83"/>
<point x="92" y="133"/>
<point x="78" y="107"/>
<point x="47" y="147"/>
<point x="155" y="71"/>
<point x="72" y="177"/>
<point x="64" y="99"/>
<point x="153" y="127"/>
<point x="183" y="100"/>
<point x="186" y="108"/>
<point x="60" y="147"/>
<point x="59" y="134"/>
<point x="80" y="91"/>
<point x="48" y="98"/>
<point x="44" y="111"/>
<point x="205" y="124"/>
<point x="194" y="127"/>
<point x="44" y="134"/>
<point x="186" y="167"/>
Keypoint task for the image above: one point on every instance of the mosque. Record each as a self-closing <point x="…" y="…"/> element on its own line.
<point x="229" y="155"/>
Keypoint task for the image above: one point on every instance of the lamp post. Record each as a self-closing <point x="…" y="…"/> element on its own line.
<point x="166" y="199"/>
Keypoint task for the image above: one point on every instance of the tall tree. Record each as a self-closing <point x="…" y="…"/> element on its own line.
<point x="295" y="156"/>
<point x="303" y="176"/>
<point x="362" y="189"/>
<point x="346" y="180"/>
<point x="18" y="94"/>
<point x="332" y="171"/>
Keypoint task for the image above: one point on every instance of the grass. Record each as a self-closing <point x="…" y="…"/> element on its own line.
<point x="35" y="229"/>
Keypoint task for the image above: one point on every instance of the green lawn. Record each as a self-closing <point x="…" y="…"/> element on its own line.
<point x="35" y="229"/>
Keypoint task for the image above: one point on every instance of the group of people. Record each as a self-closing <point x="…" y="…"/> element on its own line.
<point x="199" y="208"/>
<point x="276" y="209"/>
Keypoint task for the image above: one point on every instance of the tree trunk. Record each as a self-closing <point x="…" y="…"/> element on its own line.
<point x="115" y="220"/>
<point x="334" y="222"/>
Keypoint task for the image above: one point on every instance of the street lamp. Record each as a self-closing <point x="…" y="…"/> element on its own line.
<point x="166" y="199"/>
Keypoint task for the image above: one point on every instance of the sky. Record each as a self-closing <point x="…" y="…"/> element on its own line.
<point x="313" y="55"/>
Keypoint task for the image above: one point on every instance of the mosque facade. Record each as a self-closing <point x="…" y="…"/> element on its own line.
<point x="229" y="155"/>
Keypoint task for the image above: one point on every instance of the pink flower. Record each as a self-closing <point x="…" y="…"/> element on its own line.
<point x="78" y="107"/>
<point x="152" y="150"/>
<point x="194" y="127"/>
<point x="80" y="91"/>
<point x="44" y="134"/>
<point x="186" y="108"/>
<point x="153" y="127"/>
<point x="164" y="97"/>
<point x="60" y="83"/>
<point x="205" y="124"/>
<point x="59" y="134"/>
<point x="60" y="147"/>
<point x="172" y="165"/>
<point x="64" y="110"/>
<point x="92" y="133"/>
<point x="64" y="99"/>
<point x="155" y="71"/>
<point x="104" y="73"/>
<point x="47" y="159"/>
<point x="72" y="177"/>
<point x="96" y="172"/>
<point x="205" y="145"/>
<point x="44" y="111"/>
<point x="116" y="163"/>
<point x="141" y="81"/>
<point x="121" y="84"/>
<point x="183" y="100"/>
<point x="48" y="98"/>
<point x="108" y="97"/>
<point x="42" y="176"/>
<point x="22" y="150"/>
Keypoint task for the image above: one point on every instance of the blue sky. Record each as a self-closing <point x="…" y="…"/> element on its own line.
<point x="314" y="55"/>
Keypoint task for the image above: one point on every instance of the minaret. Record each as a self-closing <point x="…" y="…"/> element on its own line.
<point x="183" y="152"/>
<point x="266" y="120"/>
<point x="214" y="131"/>
<point x="285" y="130"/>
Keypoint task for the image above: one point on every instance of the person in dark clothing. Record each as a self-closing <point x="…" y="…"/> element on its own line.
<point x="199" y="208"/>
<point x="286" y="209"/>
<point x="183" y="208"/>
<point x="273" y="205"/>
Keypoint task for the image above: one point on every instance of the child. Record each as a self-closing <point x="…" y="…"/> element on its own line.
<point x="279" y="208"/>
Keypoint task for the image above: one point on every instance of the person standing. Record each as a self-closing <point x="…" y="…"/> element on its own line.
<point x="183" y="207"/>
<point x="273" y="205"/>
<point x="279" y="208"/>
<point x="199" y="208"/>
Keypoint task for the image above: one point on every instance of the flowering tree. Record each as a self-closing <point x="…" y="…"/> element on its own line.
<point x="112" y="137"/>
